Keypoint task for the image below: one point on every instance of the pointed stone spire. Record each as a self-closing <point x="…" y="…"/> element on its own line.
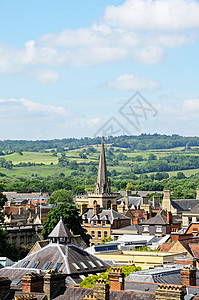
<point x="103" y="184"/>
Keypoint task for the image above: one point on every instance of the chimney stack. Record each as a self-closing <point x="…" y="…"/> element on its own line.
<point x="116" y="280"/>
<point x="114" y="206"/>
<point x="32" y="283"/>
<point x="156" y="202"/>
<point x="170" y="291"/>
<point x="52" y="281"/>
<point x="197" y="194"/>
<point x="96" y="209"/>
<point x="188" y="276"/>
<point x="101" y="290"/>
<point x="136" y="219"/>
<point x="128" y="193"/>
<point x="169" y="217"/>
<point x="166" y="203"/>
<point x="83" y="209"/>
<point x="145" y="200"/>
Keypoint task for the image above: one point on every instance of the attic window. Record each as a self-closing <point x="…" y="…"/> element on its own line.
<point x="99" y="263"/>
<point x="82" y="277"/>
<point x="35" y="264"/>
<point x="15" y="282"/>
<point x="24" y="264"/>
<point x="92" y="264"/>
<point x="83" y="265"/>
<point x="76" y="266"/>
<point x="46" y="265"/>
<point x="58" y="265"/>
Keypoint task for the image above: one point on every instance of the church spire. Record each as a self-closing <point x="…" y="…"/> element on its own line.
<point x="103" y="184"/>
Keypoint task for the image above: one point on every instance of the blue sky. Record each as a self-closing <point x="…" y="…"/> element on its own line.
<point x="68" y="67"/>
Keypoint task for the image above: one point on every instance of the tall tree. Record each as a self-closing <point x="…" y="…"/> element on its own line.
<point x="71" y="218"/>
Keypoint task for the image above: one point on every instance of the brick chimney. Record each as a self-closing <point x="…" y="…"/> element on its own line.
<point x="32" y="283"/>
<point x="146" y="215"/>
<point x="136" y="219"/>
<point x="28" y="297"/>
<point x="52" y="281"/>
<point x="101" y="290"/>
<point x="96" y="209"/>
<point x="114" y="206"/>
<point x="83" y="209"/>
<point x="116" y="280"/>
<point x="90" y="297"/>
<point x="188" y="276"/>
<point x="169" y="217"/>
<point x="4" y="286"/>
<point x="170" y="291"/>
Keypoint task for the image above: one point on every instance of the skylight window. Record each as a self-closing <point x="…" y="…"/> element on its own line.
<point x="35" y="264"/>
<point x="46" y="265"/>
<point x="76" y="266"/>
<point x="15" y="282"/>
<point x="24" y="264"/>
<point x="82" y="277"/>
<point x="58" y="265"/>
<point x="99" y="263"/>
<point x="83" y="265"/>
<point x="92" y="264"/>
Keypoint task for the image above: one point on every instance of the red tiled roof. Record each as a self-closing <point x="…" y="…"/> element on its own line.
<point x="165" y="247"/>
<point x="195" y="250"/>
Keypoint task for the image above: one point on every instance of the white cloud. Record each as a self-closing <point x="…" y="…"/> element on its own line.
<point x="45" y="76"/>
<point x="154" y="15"/>
<point x="131" y="82"/>
<point x="137" y="30"/>
<point x="34" y="107"/>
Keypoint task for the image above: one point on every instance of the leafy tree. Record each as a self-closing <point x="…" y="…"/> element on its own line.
<point x="129" y="186"/>
<point x="60" y="196"/>
<point x="89" y="281"/>
<point x="152" y="156"/>
<point x="71" y="218"/>
<point x="6" y="249"/>
<point x="106" y="239"/>
<point x="180" y="175"/>
<point x="3" y="199"/>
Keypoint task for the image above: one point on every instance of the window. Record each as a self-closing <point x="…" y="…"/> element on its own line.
<point x="58" y="265"/>
<point x="92" y="234"/>
<point x="99" y="234"/>
<point x="92" y="264"/>
<point x="103" y="223"/>
<point x="83" y="265"/>
<point x="145" y="228"/>
<point x="94" y="223"/>
<point x="158" y="229"/>
<point x="24" y="264"/>
<point x="15" y="282"/>
<point x="76" y="266"/>
<point x="105" y="233"/>
<point x="46" y="265"/>
<point x="35" y="264"/>
<point x="99" y="263"/>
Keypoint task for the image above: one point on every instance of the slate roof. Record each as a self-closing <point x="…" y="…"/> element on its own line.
<point x="132" y="228"/>
<point x="104" y="214"/>
<point x="80" y="293"/>
<point x="73" y="261"/>
<point x="60" y="231"/>
<point x="184" y="204"/>
<point x="159" y="219"/>
<point x="195" y="209"/>
<point x="167" y="275"/>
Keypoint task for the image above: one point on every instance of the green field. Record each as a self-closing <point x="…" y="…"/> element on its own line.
<point x="33" y="157"/>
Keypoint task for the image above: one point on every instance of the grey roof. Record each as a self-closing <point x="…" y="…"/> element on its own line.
<point x="159" y="219"/>
<point x="60" y="231"/>
<point x="80" y="293"/>
<point x="73" y="261"/>
<point x="195" y="209"/>
<point x="132" y="227"/>
<point x="136" y="201"/>
<point x="184" y="204"/>
<point x="166" y="275"/>
<point x="104" y="214"/>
